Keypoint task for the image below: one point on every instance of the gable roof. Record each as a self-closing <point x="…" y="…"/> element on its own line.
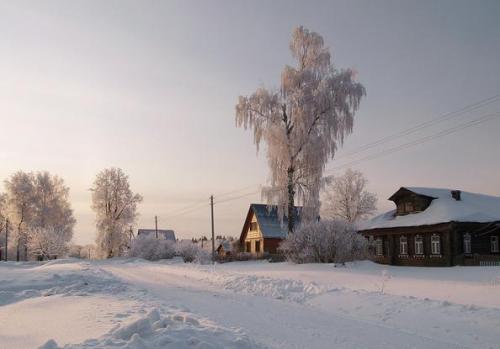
<point x="444" y="208"/>
<point x="225" y="244"/>
<point x="166" y="234"/>
<point x="270" y="225"/>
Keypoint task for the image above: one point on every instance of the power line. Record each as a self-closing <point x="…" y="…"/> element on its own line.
<point x="386" y="152"/>
<point x="419" y="141"/>
<point x="236" y="191"/>
<point x="444" y="117"/>
<point x="237" y="197"/>
<point x="187" y="210"/>
<point x="447" y="116"/>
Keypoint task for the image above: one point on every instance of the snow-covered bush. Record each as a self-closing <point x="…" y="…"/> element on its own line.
<point x="48" y="243"/>
<point x="324" y="242"/>
<point x="152" y="249"/>
<point x="191" y="252"/>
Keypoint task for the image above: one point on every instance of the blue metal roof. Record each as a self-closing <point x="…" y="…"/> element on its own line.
<point x="269" y="223"/>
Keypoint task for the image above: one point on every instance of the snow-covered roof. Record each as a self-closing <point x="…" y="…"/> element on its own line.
<point x="162" y="233"/>
<point x="226" y="245"/>
<point x="444" y="208"/>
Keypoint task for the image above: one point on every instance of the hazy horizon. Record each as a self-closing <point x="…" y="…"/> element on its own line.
<point x="151" y="86"/>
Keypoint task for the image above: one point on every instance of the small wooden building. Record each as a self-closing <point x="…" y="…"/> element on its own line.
<point x="263" y="231"/>
<point x="224" y="248"/>
<point x="437" y="227"/>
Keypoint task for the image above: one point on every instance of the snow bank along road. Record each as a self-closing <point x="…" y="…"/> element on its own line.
<point x="138" y="304"/>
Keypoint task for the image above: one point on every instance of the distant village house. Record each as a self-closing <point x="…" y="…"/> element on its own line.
<point x="437" y="227"/>
<point x="263" y="231"/>
<point x="164" y="234"/>
<point x="224" y="248"/>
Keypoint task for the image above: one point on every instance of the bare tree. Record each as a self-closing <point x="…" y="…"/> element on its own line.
<point x="345" y="197"/>
<point x="115" y="206"/>
<point x="302" y="123"/>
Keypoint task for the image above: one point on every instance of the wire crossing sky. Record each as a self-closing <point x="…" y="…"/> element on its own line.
<point x="151" y="87"/>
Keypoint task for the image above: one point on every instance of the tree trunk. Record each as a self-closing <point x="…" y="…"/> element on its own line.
<point x="291" y="203"/>
<point x="18" y="252"/>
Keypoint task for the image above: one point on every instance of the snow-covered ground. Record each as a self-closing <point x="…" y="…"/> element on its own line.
<point x="137" y="304"/>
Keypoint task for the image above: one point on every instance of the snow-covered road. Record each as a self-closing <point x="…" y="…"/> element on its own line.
<point x="137" y="304"/>
<point x="289" y="312"/>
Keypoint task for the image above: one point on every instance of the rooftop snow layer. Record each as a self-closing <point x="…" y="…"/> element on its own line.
<point x="444" y="208"/>
<point x="163" y="233"/>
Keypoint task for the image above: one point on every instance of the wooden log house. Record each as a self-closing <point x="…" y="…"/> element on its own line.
<point x="437" y="227"/>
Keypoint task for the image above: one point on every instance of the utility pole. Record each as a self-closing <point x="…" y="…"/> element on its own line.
<point x="156" y="227"/>
<point x="131" y="234"/>
<point x="212" y="214"/>
<point x="6" y="238"/>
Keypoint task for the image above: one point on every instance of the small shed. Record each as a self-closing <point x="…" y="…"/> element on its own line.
<point x="224" y="248"/>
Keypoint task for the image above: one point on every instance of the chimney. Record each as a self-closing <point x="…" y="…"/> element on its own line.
<point x="456" y="194"/>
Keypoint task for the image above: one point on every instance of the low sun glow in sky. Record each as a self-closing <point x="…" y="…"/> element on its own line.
<point x="150" y="86"/>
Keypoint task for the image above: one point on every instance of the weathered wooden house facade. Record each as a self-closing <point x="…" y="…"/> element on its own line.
<point x="437" y="227"/>
<point x="263" y="231"/>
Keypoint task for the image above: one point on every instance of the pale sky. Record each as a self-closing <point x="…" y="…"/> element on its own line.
<point x="150" y="86"/>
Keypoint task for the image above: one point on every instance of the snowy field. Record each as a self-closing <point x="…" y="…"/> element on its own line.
<point x="137" y="304"/>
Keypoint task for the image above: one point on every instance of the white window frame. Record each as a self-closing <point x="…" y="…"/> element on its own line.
<point x="419" y="245"/>
<point x="467" y="243"/>
<point x="403" y="245"/>
<point x="494" y="243"/>
<point x="379" y="247"/>
<point x="436" y="244"/>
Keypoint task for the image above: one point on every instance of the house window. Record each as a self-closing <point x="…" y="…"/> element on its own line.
<point x="379" y="247"/>
<point x="408" y="206"/>
<point x="467" y="243"/>
<point x="248" y="246"/>
<point x="403" y="245"/>
<point x="494" y="243"/>
<point x="419" y="245"/>
<point x="253" y="226"/>
<point x="257" y="246"/>
<point x="435" y="244"/>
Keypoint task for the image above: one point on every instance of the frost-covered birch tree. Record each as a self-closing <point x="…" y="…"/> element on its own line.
<point x="346" y="198"/>
<point x="52" y="208"/>
<point x="38" y="208"/>
<point x="115" y="206"/>
<point x="20" y="197"/>
<point x="302" y="123"/>
<point x="52" y="221"/>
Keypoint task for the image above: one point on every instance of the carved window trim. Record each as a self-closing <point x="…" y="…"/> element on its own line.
<point x="436" y="244"/>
